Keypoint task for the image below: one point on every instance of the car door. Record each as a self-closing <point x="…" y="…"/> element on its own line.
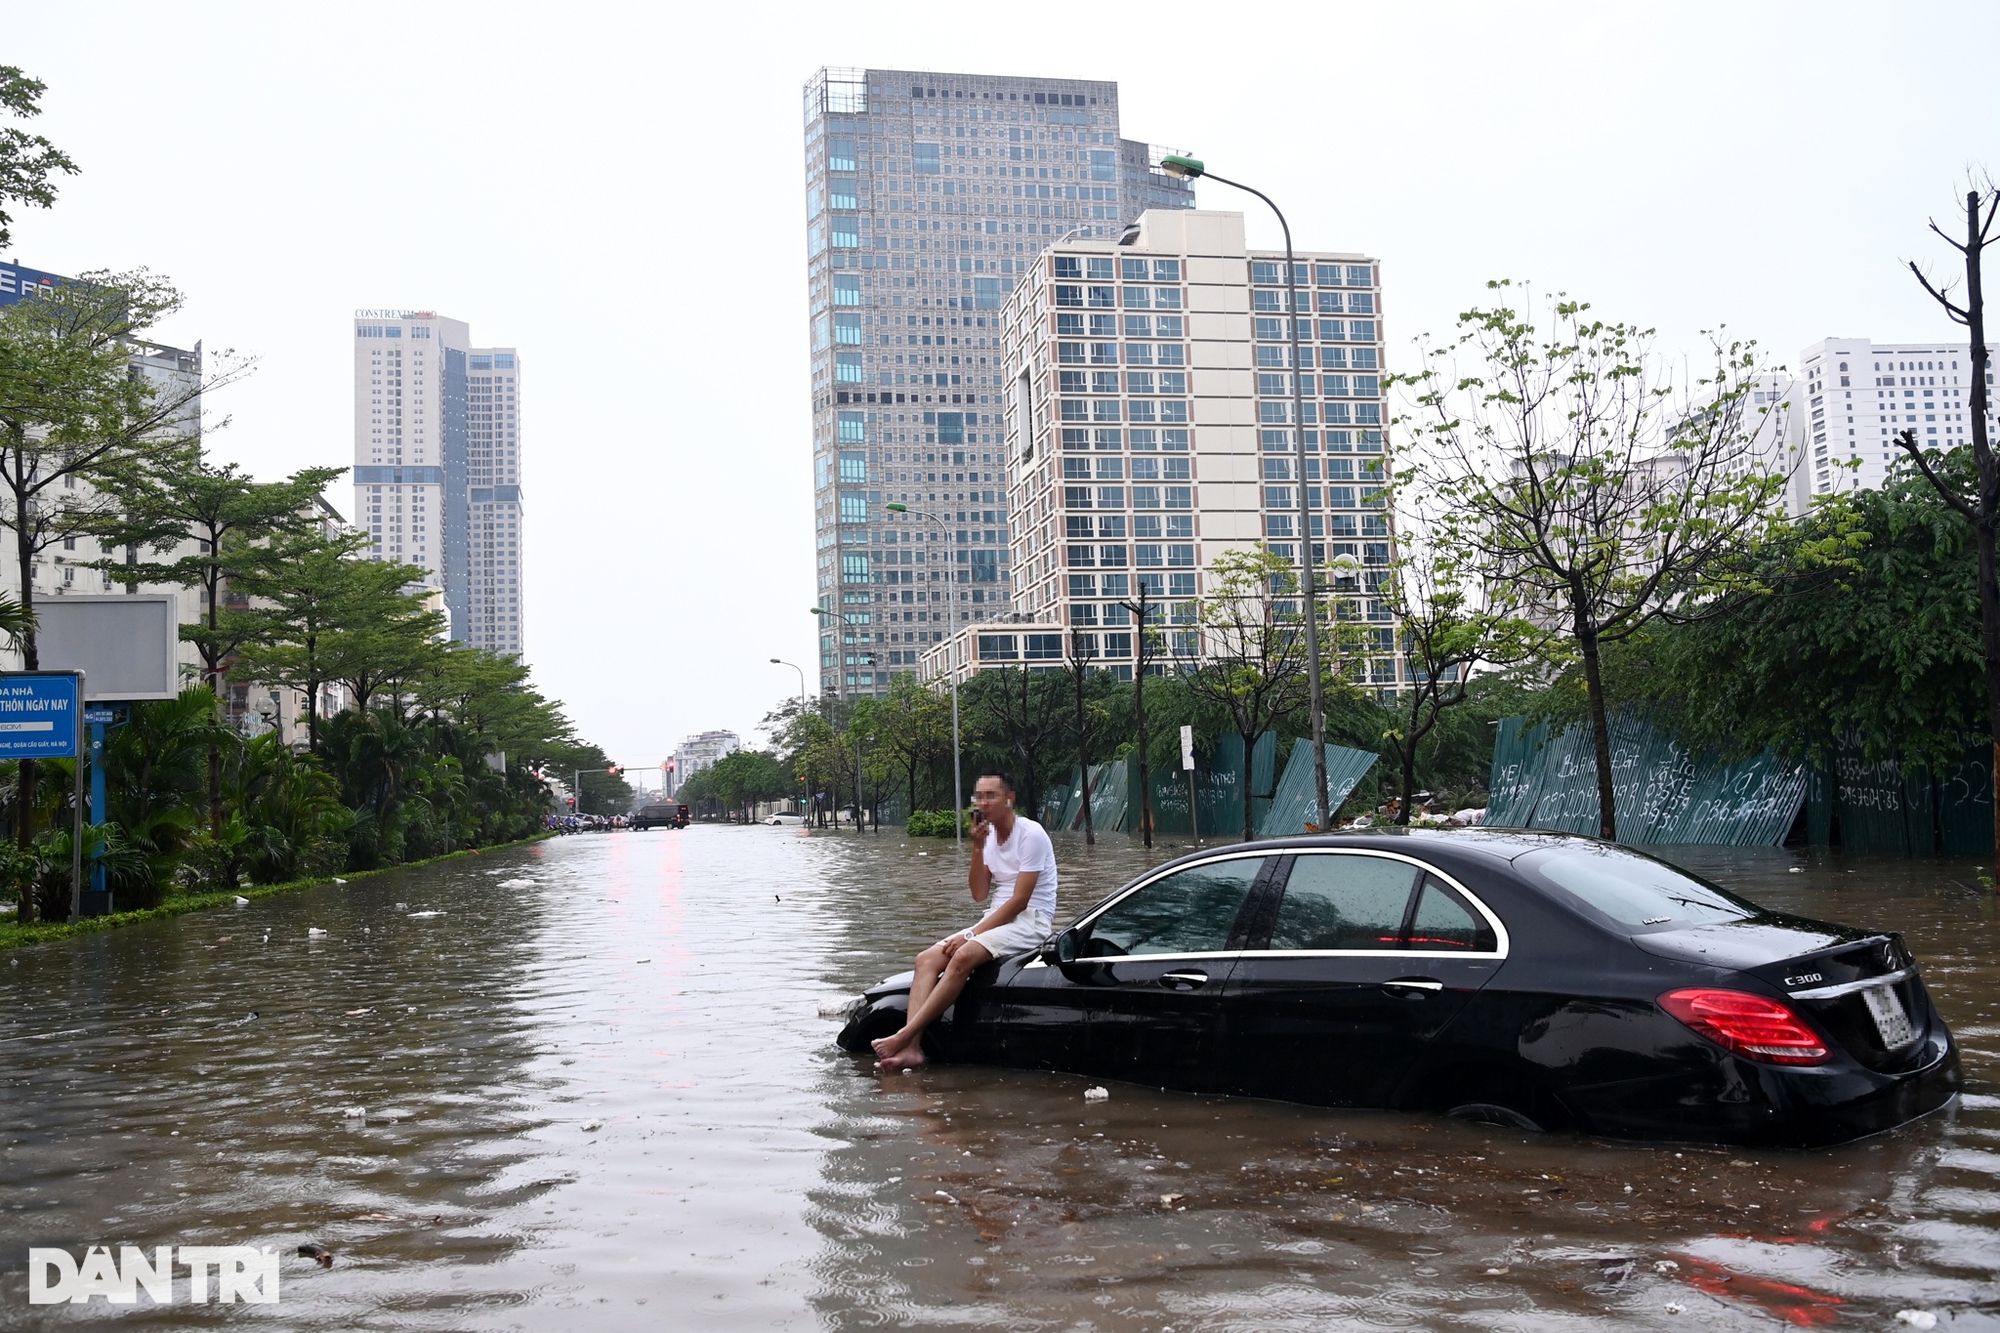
<point x="1142" y="998"/>
<point x="1368" y="956"/>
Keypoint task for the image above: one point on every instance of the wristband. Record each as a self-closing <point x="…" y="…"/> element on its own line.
<point x="967" y="932"/>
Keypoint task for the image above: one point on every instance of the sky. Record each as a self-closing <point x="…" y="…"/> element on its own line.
<point x="617" y="190"/>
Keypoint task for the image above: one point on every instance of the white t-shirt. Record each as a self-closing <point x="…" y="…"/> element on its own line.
<point x="1026" y="849"/>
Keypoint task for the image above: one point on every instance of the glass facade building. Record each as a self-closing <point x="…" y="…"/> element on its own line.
<point x="929" y="198"/>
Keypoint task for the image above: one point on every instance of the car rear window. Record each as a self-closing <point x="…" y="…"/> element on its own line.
<point x="1637" y="891"/>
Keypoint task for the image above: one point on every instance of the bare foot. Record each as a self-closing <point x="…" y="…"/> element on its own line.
<point x="885" y="1047"/>
<point x="909" y="1058"/>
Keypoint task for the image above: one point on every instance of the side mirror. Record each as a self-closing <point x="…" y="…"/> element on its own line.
<point x="1064" y="946"/>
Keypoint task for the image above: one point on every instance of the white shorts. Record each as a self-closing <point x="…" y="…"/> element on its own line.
<point x="1023" y="932"/>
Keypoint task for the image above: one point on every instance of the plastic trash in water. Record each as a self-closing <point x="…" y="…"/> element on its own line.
<point x="1096" y="1094"/>
<point x="241" y="901"/>
<point x="355" y="1113"/>
<point x="418" y="916"/>
<point x="312" y="931"/>
<point x="1916" y="1318"/>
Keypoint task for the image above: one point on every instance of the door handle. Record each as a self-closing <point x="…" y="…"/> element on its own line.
<point x="1184" y="980"/>
<point x="1413" y="983"/>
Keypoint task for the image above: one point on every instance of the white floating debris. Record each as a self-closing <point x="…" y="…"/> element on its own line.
<point x="517" y="884"/>
<point x="1796" y="870"/>
<point x="591" y="1126"/>
<point x="338" y="880"/>
<point x="241" y="901"/>
<point x="923" y="853"/>
<point x="1096" y="1094"/>
<point x="1665" y="1266"/>
<point x="946" y="1197"/>
<point x="314" y="930"/>
<point x="1916" y="1318"/>
<point x="355" y="1113"/>
<point x="1675" y="1307"/>
<point x="402" y="907"/>
<point x="417" y="916"/>
<point x="1171" y="1199"/>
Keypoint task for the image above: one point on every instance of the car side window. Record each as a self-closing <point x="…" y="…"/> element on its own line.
<point x="1189" y="911"/>
<point x="1443" y="920"/>
<point x="1337" y="901"/>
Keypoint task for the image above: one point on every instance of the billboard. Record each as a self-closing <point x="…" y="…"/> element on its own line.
<point x="128" y="647"/>
<point x="21" y="284"/>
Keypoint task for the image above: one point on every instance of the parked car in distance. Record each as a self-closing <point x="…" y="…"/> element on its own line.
<point x="785" y="817"/>
<point x="660" y="816"/>
<point x="1538" y="980"/>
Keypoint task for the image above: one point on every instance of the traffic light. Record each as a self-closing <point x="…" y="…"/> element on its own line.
<point x="614" y="770"/>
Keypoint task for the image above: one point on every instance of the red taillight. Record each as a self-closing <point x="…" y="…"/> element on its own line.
<point x="1749" y="1025"/>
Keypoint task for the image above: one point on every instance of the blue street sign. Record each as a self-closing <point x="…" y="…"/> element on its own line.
<point x="38" y="716"/>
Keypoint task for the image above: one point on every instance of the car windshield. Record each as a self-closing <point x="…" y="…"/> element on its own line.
<point x="1636" y="890"/>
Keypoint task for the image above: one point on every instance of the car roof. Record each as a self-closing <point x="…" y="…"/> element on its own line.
<point x="1504" y="843"/>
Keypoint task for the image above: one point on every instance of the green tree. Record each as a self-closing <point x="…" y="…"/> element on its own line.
<point x="28" y="162"/>
<point x="1579" y="467"/>
<point x="326" y="615"/>
<point x="80" y="426"/>
<point x="1020" y="716"/>
<point x="913" y="727"/>
<point x="1872" y="628"/>
<point x="224" y="514"/>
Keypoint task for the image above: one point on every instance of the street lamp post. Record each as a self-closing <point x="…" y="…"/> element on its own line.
<point x="824" y="611"/>
<point x="778" y="661"/>
<point x="1194" y="169"/>
<point x="951" y="674"/>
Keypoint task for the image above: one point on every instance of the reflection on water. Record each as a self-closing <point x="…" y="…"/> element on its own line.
<point x="599" y="1094"/>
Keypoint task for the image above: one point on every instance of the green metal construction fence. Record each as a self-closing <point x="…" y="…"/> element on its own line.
<point x="1664" y="794"/>
<point x="1219" y="788"/>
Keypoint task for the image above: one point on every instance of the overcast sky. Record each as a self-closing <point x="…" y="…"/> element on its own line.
<point x="617" y="191"/>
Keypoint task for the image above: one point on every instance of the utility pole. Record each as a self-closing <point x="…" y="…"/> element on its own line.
<point x="1143" y="659"/>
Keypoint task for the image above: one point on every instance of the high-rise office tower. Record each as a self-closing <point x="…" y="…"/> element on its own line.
<point x="437" y="473"/>
<point x="928" y="197"/>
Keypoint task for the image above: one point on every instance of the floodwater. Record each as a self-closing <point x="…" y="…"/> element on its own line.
<point x="599" y="1094"/>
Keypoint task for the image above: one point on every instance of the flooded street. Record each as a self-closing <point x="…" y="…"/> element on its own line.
<point x="598" y="1092"/>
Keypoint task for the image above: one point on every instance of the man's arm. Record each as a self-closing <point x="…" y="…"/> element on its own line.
<point x="978" y="879"/>
<point x="1024" y="889"/>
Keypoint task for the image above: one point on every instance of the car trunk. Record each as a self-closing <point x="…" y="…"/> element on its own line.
<point x="1861" y="989"/>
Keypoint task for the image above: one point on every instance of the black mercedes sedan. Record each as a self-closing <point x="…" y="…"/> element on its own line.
<point x="1530" y="979"/>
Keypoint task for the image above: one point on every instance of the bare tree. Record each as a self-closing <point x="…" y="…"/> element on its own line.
<point x="1980" y="507"/>
<point x="1255" y="650"/>
<point x="1607" y="488"/>
<point x="1146" y="640"/>
<point x="1082" y="652"/>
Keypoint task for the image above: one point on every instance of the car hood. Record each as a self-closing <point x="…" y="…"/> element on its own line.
<point x="896" y="985"/>
<point x="1752" y="942"/>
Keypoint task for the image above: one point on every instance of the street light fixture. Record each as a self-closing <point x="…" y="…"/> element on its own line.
<point x="1193" y="168"/>
<point x="779" y="661"/>
<point x="951" y="674"/>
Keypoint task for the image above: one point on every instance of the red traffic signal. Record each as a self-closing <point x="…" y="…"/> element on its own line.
<point x="614" y="770"/>
<point x="572" y="802"/>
